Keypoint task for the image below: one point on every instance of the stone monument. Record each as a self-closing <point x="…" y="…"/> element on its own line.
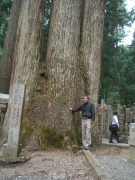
<point x="102" y="107"/>
<point x="128" y="115"/>
<point x="131" y="142"/>
<point x="11" y="149"/>
<point x="108" y="120"/>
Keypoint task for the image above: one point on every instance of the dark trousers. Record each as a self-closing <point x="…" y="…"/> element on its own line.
<point x="114" y="133"/>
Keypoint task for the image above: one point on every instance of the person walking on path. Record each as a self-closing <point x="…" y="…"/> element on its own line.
<point x="88" y="116"/>
<point x="114" y="133"/>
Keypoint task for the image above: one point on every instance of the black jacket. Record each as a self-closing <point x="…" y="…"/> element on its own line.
<point x="88" y="110"/>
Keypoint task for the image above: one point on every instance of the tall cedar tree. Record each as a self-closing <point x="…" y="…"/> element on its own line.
<point x="73" y="59"/>
<point x="112" y="81"/>
<point x="72" y="64"/>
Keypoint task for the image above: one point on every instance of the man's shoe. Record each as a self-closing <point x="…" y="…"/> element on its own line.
<point x="86" y="148"/>
<point x="111" y="142"/>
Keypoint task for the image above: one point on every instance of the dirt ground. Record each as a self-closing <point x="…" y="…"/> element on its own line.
<point x="49" y="165"/>
<point x="56" y="164"/>
<point x="111" y="151"/>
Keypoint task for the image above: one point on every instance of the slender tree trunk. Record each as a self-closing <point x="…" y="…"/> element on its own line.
<point x="90" y="50"/>
<point x="8" y="50"/>
<point x="28" y="44"/>
<point x="27" y="50"/>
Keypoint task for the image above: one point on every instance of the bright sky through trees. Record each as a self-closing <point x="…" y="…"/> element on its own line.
<point x="129" y="30"/>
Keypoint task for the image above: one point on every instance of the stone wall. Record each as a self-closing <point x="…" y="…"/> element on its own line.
<point x="125" y="117"/>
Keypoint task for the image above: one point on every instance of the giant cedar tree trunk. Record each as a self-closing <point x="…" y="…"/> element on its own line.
<point x="73" y="58"/>
<point x="62" y="63"/>
<point x="90" y="50"/>
<point x="72" y="63"/>
<point x="27" y="49"/>
<point x="8" y="50"/>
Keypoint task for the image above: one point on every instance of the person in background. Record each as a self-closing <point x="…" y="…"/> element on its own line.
<point x="114" y="133"/>
<point x="88" y="116"/>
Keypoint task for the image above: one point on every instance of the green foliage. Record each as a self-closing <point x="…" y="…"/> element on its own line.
<point x="46" y="26"/>
<point x="116" y="59"/>
<point x="113" y="98"/>
<point x="5" y="6"/>
<point x="0" y="52"/>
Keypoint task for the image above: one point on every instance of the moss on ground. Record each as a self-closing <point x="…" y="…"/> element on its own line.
<point x="46" y="137"/>
<point x="26" y="134"/>
<point x="52" y="138"/>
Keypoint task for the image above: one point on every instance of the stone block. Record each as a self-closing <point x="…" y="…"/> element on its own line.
<point x="4" y="147"/>
<point x="131" y="142"/>
<point x="132" y="152"/>
<point x="4" y="98"/>
<point x="132" y="131"/>
<point x="128" y="115"/>
<point x="3" y="106"/>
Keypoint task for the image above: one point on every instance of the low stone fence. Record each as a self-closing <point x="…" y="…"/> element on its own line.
<point x="3" y="106"/>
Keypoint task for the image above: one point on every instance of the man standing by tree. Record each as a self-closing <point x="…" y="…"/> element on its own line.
<point x="88" y="116"/>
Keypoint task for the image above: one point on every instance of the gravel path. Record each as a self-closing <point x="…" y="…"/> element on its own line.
<point x="118" y="168"/>
<point x="46" y="165"/>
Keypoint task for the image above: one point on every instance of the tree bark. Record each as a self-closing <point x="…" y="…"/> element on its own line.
<point x="8" y="50"/>
<point x="27" y="50"/>
<point x="72" y="64"/>
<point x="90" y="50"/>
<point x="62" y="63"/>
<point x="28" y="44"/>
<point x="73" y="59"/>
<point x="91" y="43"/>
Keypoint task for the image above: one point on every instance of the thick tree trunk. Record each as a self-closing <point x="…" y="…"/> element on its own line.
<point x="73" y="58"/>
<point x="90" y="50"/>
<point x="62" y="63"/>
<point x="27" y="49"/>
<point x="72" y="66"/>
<point x="8" y="50"/>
